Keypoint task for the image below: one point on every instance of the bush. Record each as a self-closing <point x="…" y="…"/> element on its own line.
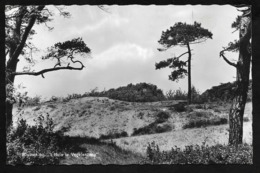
<point x="33" y="101"/>
<point x="180" y="107"/>
<point x="113" y="135"/>
<point x="152" y="128"/>
<point x="218" y="154"/>
<point x="141" y="92"/>
<point x="162" y="117"/>
<point x="34" y="144"/>
<point x="112" y="108"/>
<point x="156" y="126"/>
<point x="203" y="119"/>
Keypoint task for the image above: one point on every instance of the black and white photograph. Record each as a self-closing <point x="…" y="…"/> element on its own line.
<point x="128" y="84"/>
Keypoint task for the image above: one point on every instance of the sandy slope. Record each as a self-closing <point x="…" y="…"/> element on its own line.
<point x="92" y="116"/>
<point x="209" y="135"/>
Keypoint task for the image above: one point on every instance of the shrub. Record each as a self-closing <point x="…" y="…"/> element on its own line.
<point x="180" y="107"/>
<point x="33" y="101"/>
<point x="218" y="154"/>
<point x="112" y="108"/>
<point x="161" y="128"/>
<point x="34" y="144"/>
<point x="140" y="115"/>
<point x="152" y="128"/>
<point x="113" y="135"/>
<point x="162" y="117"/>
<point x="155" y="127"/>
<point x="202" y="121"/>
<point x="141" y="92"/>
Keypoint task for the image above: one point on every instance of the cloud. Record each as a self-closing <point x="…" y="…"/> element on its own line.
<point x="123" y="53"/>
<point x="109" y="21"/>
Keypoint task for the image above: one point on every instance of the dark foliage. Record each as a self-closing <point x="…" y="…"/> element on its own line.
<point x="39" y="143"/>
<point x="181" y="34"/>
<point x="203" y="119"/>
<point x="224" y="92"/>
<point x="156" y="126"/>
<point x="113" y="135"/>
<point x="141" y="92"/>
<point x="67" y="49"/>
<point x="175" y="63"/>
<point x="180" y="107"/>
<point x="218" y="154"/>
<point x="34" y="144"/>
<point x="162" y="117"/>
<point x="152" y="128"/>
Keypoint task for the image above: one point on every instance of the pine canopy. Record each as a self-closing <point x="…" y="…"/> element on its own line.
<point x="182" y="33"/>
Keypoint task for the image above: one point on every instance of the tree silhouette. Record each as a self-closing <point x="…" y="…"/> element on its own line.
<point x="243" y="46"/>
<point x="19" y="22"/>
<point x="181" y="34"/>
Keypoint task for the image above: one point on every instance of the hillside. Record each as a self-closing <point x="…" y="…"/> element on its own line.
<point x="96" y="116"/>
<point x="102" y="130"/>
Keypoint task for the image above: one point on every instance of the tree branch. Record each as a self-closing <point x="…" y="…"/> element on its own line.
<point x="26" y="33"/>
<point x="230" y="63"/>
<point x="52" y="69"/>
<point x="182" y="55"/>
<point x="46" y="70"/>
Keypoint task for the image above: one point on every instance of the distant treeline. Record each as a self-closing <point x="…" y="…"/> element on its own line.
<point x="141" y="92"/>
<point x="144" y="92"/>
<point x="224" y="92"/>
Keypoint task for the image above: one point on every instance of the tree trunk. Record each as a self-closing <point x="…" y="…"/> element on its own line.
<point x="9" y="106"/>
<point x="243" y="68"/>
<point x="189" y="74"/>
<point x="256" y="86"/>
<point x="16" y="45"/>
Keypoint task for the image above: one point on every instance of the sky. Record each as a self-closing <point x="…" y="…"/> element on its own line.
<point x="124" y="41"/>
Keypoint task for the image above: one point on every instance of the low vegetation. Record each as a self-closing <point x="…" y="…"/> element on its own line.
<point x="40" y="145"/>
<point x="37" y="144"/>
<point x="34" y="144"/>
<point x="203" y="119"/>
<point x="218" y="154"/>
<point x="141" y="92"/>
<point x="113" y="135"/>
<point x="158" y="126"/>
<point x="224" y="92"/>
